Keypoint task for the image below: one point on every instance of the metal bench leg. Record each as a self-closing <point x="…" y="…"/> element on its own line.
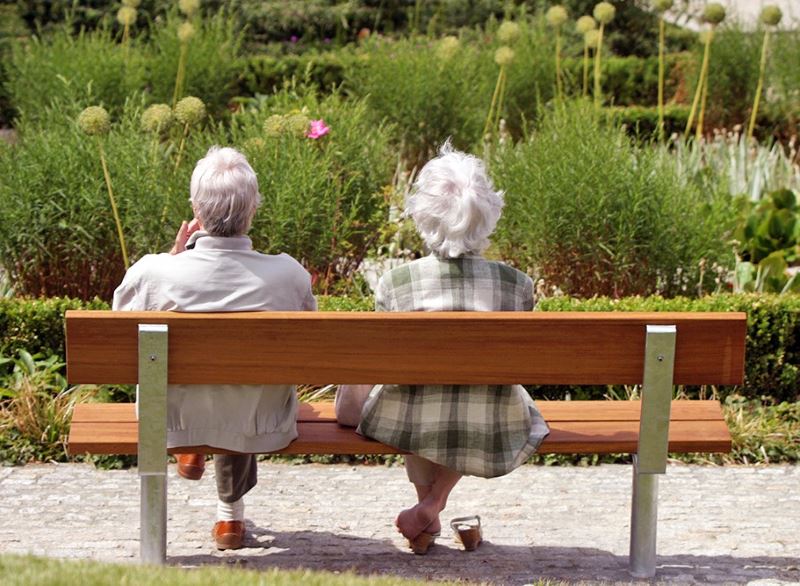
<point x="152" y="413"/>
<point x="651" y="459"/>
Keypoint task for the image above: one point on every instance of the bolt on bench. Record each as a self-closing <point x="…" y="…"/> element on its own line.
<point x="657" y="350"/>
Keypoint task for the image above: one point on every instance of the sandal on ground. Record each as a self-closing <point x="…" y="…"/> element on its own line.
<point x="422" y="542"/>
<point x="468" y="531"/>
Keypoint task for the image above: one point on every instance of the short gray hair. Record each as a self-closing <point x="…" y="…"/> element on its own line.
<point x="454" y="204"/>
<point x="224" y="192"/>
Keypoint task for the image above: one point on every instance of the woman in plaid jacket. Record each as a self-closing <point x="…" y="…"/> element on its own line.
<point x="452" y="430"/>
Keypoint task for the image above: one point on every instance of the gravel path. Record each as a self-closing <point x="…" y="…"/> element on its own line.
<point x="717" y="525"/>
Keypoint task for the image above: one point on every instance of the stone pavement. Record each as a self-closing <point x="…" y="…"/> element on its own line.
<point x="717" y="525"/>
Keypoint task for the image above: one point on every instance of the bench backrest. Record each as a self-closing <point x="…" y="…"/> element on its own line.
<point x="410" y="348"/>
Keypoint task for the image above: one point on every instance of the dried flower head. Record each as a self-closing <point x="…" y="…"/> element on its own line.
<point x="254" y="145"/>
<point x="126" y="15"/>
<point x="714" y="13"/>
<point x="131" y="3"/>
<point x="297" y="124"/>
<point x="592" y="38"/>
<point x="663" y="5"/>
<point x="556" y="16"/>
<point x="508" y="33"/>
<point x="94" y="120"/>
<point x="504" y="56"/>
<point x="585" y="24"/>
<point x="190" y="110"/>
<point x="157" y="118"/>
<point x="188" y="7"/>
<point x="274" y="126"/>
<point x="604" y="12"/>
<point x="447" y="49"/>
<point x="771" y="15"/>
<point x="185" y="32"/>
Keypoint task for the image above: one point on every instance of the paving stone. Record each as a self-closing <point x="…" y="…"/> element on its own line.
<point x="717" y="525"/>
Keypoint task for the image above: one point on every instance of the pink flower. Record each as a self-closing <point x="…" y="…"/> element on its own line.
<point x="318" y="129"/>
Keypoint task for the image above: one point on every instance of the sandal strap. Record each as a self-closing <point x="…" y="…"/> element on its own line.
<point x="471" y="520"/>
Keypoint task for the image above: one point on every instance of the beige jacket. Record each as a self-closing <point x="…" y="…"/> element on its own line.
<point x="222" y="274"/>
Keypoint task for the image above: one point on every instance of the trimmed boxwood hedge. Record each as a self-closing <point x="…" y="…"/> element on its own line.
<point x="772" y="371"/>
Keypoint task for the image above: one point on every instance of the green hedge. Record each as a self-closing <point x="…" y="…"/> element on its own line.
<point x="772" y="371"/>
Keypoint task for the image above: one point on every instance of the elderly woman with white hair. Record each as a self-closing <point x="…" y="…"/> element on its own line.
<point x="451" y="430"/>
<point x="213" y="267"/>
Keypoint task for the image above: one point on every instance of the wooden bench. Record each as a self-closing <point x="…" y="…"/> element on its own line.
<point x="657" y="350"/>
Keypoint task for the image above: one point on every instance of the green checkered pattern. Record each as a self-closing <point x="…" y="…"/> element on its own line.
<point x="478" y="430"/>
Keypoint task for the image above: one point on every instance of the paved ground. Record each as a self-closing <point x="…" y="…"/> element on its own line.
<point x="717" y="525"/>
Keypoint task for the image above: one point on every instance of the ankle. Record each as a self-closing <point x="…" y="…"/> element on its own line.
<point x="230" y="511"/>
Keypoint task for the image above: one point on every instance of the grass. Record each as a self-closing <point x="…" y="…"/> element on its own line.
<point x="33" y="571"/>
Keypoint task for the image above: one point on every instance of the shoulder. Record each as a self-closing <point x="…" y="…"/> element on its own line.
<point x="508" y="274"/>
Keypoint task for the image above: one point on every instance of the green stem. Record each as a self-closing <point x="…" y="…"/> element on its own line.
<point x="125" y="39"/>
<point x="181" y="74"/>
<point x="661" y="79"/>
<point x="501" y="96"/>
<point x="180" y="148"/>
<point x="751" y="127"/>
<point x="700" y="84"/>
<point x="585" y="69"/>
<point x="114" y="210"/>
<point x="559" y="88"/>
<point x="704" y="96"/>
<point x="598" y="91"/>
<point x="490" y="115"/>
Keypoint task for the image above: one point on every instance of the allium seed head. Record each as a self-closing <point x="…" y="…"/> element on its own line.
<point x="504" y="56"/>
<point x="126" y="15"/>
<point x="714" y="13"/>
<point x="592" y="38"/>
<point x="157" y="118"/>
<point x="94" y="121"/>
<point x="663" y="5"/>
<point x="771" y="15"/>
<point x="274" y="126"/>
<point x="556" y="16"/>
<point x="585" y="24"/>
<point x="188" y="7"/>
<point x="131" y="3"/>
<point x="508" y="32"/>
<point x="297" y="124"/>
<point x="447" y="48"/>
<point x="190" y="110"/>
<point x="185" y="32"/>
<point x="604" y="12"/>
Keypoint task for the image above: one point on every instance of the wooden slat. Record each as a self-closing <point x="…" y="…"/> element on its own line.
<point x="411" y="348"/>
<point x="683" y="410"/>
<point x="325" y="437"/>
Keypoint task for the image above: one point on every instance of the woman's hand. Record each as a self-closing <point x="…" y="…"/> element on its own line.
<point x="186" y="230"/>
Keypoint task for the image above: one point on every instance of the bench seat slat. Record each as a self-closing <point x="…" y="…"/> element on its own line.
<point x="551" y="410"/>
<point x="119" y="434"/>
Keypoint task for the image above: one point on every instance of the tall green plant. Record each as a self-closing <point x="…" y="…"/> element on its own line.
<point x="556" y="17"/>
<point x="593" y="228"/>
<point x="584" y="25"/>
<point x="604" y="13"/>
<point x="770" y="17"/>
<point x="713" y="15"/>
<point x="661" y="7"/>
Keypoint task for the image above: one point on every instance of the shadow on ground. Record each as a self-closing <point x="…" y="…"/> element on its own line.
<point x="499" y="564"/>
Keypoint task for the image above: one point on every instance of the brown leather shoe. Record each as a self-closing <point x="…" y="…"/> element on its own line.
<point x="191" y="466"/>
<point x="228" y="534"/>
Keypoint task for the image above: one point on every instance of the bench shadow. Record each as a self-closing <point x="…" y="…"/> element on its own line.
<point x="490" y="563"/>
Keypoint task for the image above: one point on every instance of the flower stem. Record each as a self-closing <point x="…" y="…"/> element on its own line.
<point x="751" y="127"/>
<point x="180" y="148"/>
<point x="500" y="97"/>
<point x="585" y="69"/>
<point x="598" y="89"/>
<point x="700" y="84"/>
<point x="114" y="210"/>
<point x="181" y="75"/>
<point x="490" y="114"/>
<point x="559" y="87"/>
<point x="661" y="79"/>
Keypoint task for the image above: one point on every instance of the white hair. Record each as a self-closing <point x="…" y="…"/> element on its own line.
<point x="454" y="204"/>
<point x="224" y="192"/>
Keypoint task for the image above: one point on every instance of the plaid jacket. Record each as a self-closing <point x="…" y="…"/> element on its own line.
<point x="477" y="429"/>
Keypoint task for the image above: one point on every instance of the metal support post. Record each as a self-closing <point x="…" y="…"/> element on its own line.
<point x="152" y="413"/>
<point x="651" y="458"/>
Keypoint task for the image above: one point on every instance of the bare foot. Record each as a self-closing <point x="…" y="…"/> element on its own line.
<point x="421" y="517"/>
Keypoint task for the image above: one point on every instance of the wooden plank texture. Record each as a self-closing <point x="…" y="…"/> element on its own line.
<point x="118" y="434"/>
<point x="410" y="348"/>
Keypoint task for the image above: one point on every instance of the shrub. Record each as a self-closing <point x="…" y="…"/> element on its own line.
<point x="265" y="74"/>
<point x="54" y="188"/>
<point x="323" y="199"/>
<point x="593" y="214"/>
<point x="642" y="122"/>
<point x="772" y="355"/>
